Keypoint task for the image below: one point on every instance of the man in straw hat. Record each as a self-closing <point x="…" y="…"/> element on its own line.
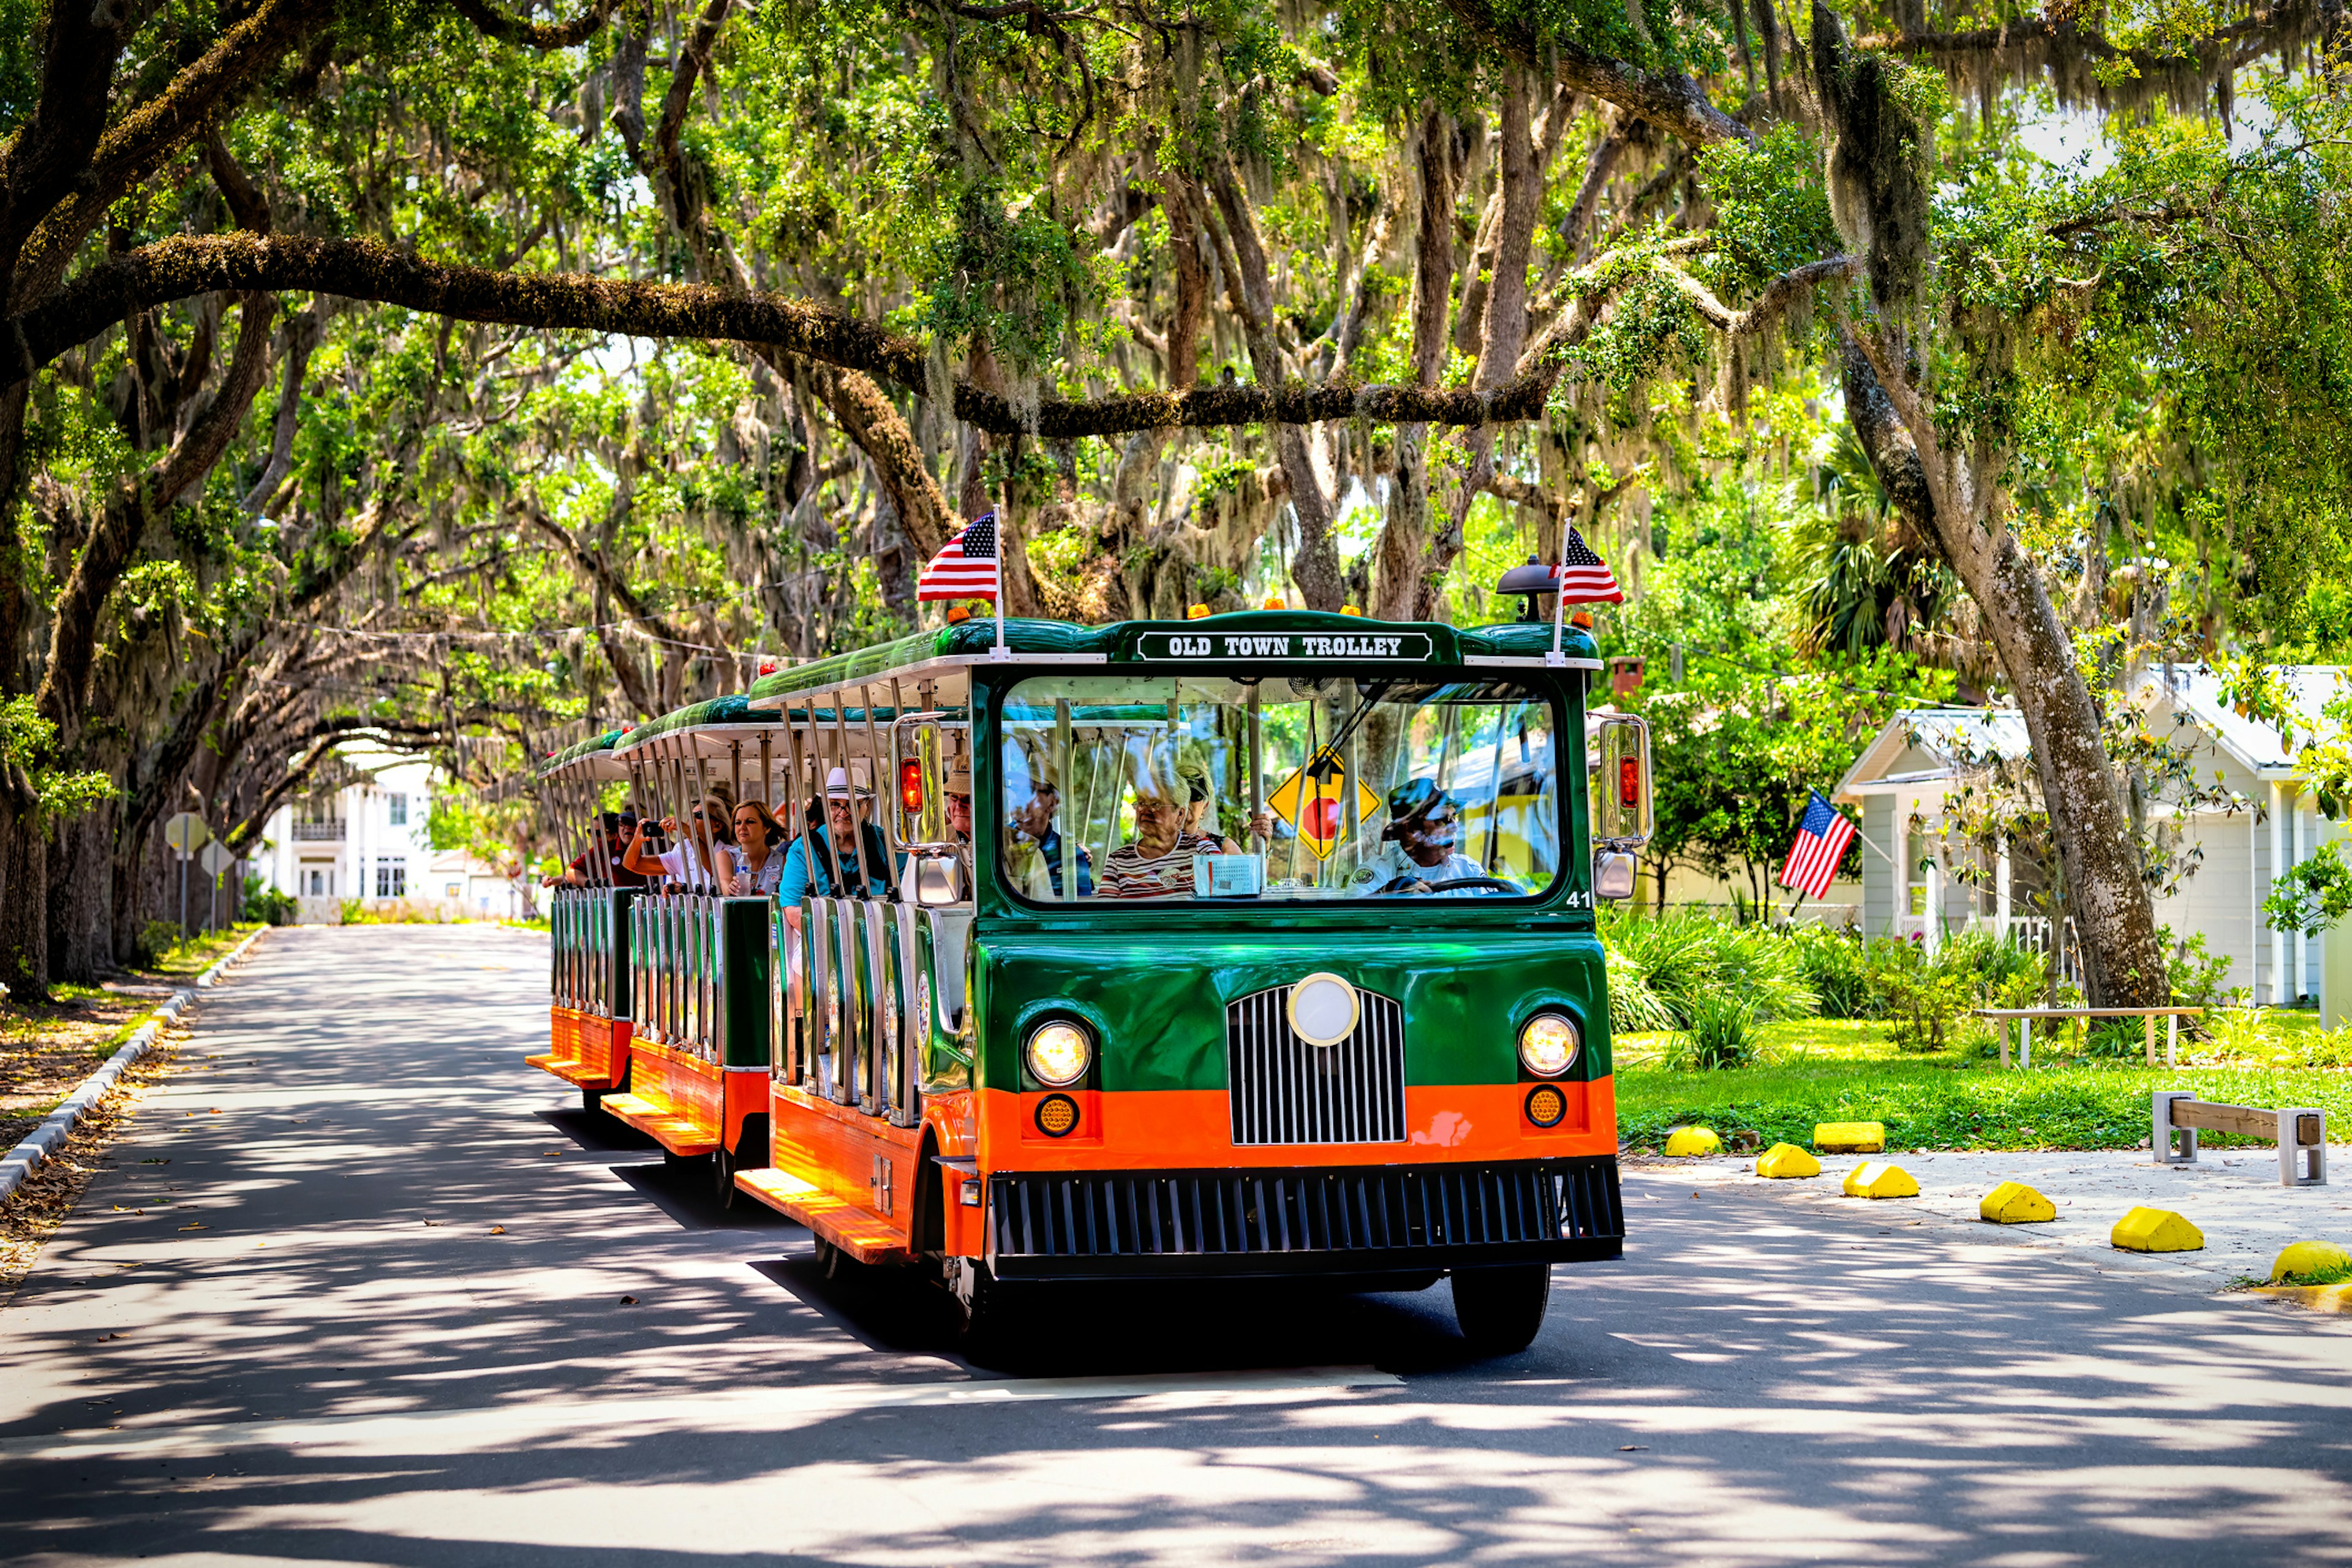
<point x="846" y="841"/>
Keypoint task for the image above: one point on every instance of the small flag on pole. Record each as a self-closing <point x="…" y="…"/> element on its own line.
<point x="966" y="568"/>
<point x="1584" y="578"/>
<point x="1821" y="839"/>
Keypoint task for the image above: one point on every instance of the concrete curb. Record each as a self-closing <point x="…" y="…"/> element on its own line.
<point x="26" y="1157"/>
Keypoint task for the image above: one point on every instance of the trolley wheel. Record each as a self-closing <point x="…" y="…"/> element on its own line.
<point x="987" y="1326"/>
<point x="1500" y="1308"/>
<point x="592" y="1101"/>
<point x="830" y="1260"/>
<point x="722" y="1168"/>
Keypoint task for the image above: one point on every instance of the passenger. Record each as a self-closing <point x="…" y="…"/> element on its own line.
<point x="682" y="862"/>
<point x="855" y="844"/>
<point x="760" y="841"/>
<point x="1172" y="793"/>
<point x="1417" y="851"/>
<point x="608" y="843"/>
<point x="1032" y="852"/>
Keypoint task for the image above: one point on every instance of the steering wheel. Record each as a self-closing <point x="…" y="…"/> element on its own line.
<point x="1497" y="883"/>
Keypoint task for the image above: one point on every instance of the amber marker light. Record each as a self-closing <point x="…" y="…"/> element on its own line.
<point x="1548" y="1044"/>
<point x="1059" y="1055"/>
<point x="1546" y="1105"/>
<point x="1057" y="1114"/>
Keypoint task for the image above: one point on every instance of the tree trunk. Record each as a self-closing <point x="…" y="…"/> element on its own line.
<point x="81" y="890"/>
<point x="24" y="877"/>
<point x="2123" y="963"/>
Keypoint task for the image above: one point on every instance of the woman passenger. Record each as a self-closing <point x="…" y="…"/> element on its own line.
<point x="760" y="841"/>
<point x="1172" y="795"/>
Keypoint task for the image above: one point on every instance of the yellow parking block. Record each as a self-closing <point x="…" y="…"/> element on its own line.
<point x="1872" y="1179"/>
<point x="2014" y="1203"/>
<point x="1783" y="1162"/>
<point x="2308" y="1259"/>
<point x="2156" y="1230"/>
<point x="1685" y="1141"/>
<point x="1849" y="1137"/>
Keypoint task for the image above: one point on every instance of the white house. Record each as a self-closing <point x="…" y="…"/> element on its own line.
<point x="1922" y="756"/>
<point x="365" y="838"/>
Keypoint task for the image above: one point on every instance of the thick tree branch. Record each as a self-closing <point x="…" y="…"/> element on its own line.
<point x="1665" y="99"/>
<point x="137" y="145"/>
<point x="73" y="638"/>
<point x="187" y="265"/>
<point x="508" y="30"/>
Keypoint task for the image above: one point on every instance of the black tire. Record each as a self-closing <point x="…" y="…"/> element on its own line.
<point x="722" y="1169"/>
<point x="987" y="1326"/>
<point x="592" y="1101"/>
<point x="1499" y="1309"/>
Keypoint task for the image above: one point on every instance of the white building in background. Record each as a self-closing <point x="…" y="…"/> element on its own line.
<point x="1903" y="778"/>
<point x="367" y="840"/>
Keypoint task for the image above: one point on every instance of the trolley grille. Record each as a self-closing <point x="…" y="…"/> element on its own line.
<point x="1360" y="1218"/>
<point x="1285" y="1091"/>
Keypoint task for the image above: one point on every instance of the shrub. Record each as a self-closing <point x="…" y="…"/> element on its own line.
<point x="267" y="904"/>
<point x="1832" y="961"/>
<point x="1675" y="962"/>
<point x="1722" y="1034"/>
<point x="155" y="940"/>
<point x="2196" y="974"/>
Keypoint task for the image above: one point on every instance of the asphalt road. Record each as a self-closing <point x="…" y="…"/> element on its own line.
<point x="355" y="1294"/>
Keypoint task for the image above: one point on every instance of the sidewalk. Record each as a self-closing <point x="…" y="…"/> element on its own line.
<point x="2232" y="1195"/>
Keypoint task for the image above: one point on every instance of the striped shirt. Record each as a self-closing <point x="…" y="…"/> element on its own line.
<point x="1128" y="873"/>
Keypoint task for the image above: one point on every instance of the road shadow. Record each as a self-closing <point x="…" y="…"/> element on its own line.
<point x="1097" y="1329"/>
<point x="599" y="1133"/>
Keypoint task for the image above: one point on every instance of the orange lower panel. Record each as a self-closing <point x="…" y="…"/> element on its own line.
<point x="1183" y="1129"/>
<point x="832" y="1149"/>
<point x="603" y="1053"/>
<point x="684" y="1088"/>
<point x="857" y="1231"/>
<point x="571" y="1072"/>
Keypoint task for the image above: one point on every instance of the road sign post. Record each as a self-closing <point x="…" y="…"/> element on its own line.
<point x="217" y="858"/>
<point x="186" y="833"/>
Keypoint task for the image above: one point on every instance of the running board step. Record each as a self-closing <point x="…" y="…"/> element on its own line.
<point x="576" y="1074"/>
<point x="673" y="1133"/>
<point x="856" y="1230"/>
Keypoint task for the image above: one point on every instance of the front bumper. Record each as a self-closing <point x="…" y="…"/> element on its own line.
<point x="1333" y="1220"/>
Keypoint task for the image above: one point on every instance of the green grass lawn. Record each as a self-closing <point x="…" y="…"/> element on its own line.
<point x="1827" y="1069"/>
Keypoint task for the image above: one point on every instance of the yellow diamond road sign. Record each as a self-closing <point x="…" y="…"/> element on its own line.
<point x="1314" y="800"/>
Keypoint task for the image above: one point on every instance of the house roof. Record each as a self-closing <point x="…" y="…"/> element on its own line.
<point x="2197" y="691"/>
<point x="1953" y="740"/>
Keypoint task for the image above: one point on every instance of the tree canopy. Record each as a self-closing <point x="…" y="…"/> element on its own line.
<point x="459" y="377"/>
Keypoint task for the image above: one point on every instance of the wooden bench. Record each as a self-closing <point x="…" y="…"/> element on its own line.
<point x="2025" y="1016"/>
<point x="2300" y="1133"/>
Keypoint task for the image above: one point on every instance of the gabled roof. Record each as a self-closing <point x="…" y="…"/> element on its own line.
<point x="1948" y="741"/>
<point x="2196" y="692"/>
<point x="1954" y="740"/>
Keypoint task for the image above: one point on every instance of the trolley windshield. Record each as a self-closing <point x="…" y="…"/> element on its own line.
<point x="1188" y="789"/>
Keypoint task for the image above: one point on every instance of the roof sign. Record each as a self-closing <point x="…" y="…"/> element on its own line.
<point x="1415" y="647"/>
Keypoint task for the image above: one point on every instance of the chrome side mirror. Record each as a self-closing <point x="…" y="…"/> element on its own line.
<point x="1613" y="875"/>
<point x="1623" y="813"/>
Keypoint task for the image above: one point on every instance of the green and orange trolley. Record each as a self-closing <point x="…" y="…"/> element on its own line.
<point x="1249" y="946"/>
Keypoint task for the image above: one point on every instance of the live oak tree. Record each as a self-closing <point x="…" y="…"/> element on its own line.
<point x="327" y="301"/>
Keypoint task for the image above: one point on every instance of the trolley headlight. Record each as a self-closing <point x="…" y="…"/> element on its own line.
<point x="1059" y="1054"/>
<point x="1548" y="1044"/>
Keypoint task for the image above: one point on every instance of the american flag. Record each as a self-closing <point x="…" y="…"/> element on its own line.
<point x="966" y="567"/>
<point x="1821" y="839"/>
<point x="1584" y="578"/>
